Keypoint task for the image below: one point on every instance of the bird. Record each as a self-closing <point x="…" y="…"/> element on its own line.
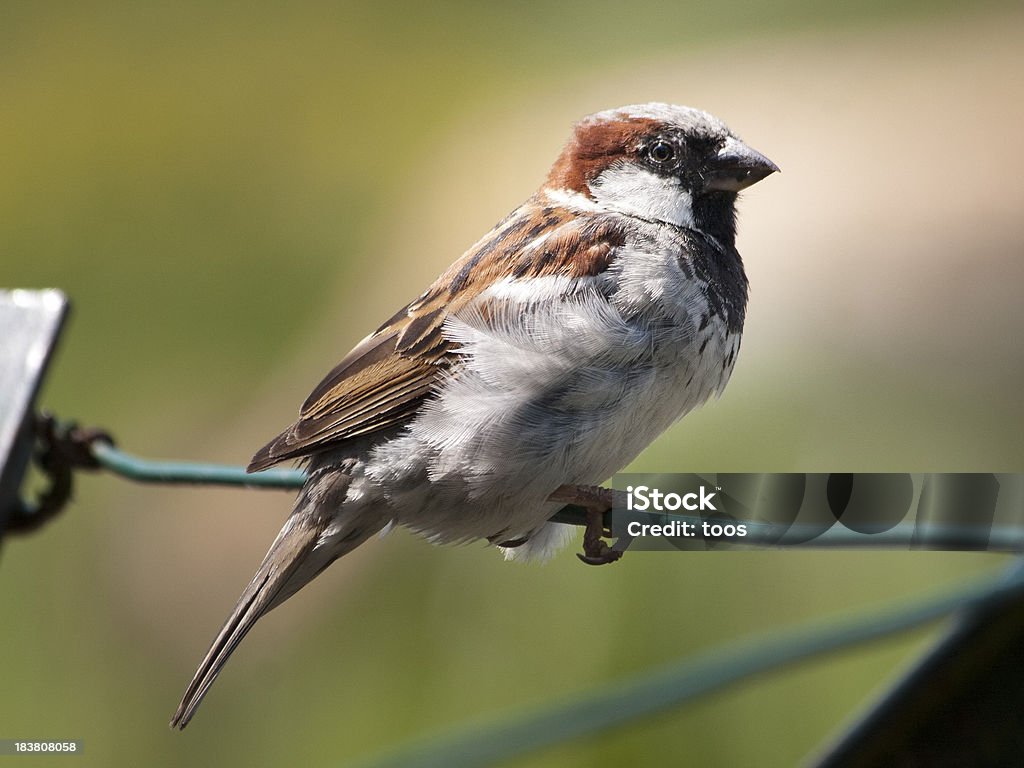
<point x="540" y="363"/>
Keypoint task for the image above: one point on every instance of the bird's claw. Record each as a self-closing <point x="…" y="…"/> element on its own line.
<point x="609" y="555"/>
<point x="595" y="549"/>
<point x="596" y="501"/>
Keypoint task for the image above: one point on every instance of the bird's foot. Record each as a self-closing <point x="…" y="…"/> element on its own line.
<point x="510" y="544"/>
<point x="596" y="501"/>
<point x="595" y="549"/>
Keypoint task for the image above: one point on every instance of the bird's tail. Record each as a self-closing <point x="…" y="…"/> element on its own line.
<point x="298" y="554"/>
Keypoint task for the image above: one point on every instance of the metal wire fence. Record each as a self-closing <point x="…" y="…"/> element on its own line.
<point x="980" y="606"/>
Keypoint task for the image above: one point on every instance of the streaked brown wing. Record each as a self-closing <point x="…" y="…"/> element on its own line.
<point x="374" y="387"/>
<point x="383" y="381"/>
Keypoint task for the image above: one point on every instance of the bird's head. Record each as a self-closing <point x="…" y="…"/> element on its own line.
<point x="659" y="162"/>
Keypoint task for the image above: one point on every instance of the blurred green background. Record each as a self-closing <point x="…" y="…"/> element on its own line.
<point x="233" y="195"/>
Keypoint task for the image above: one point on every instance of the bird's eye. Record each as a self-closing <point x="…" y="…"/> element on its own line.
<point x="661" y="152"/>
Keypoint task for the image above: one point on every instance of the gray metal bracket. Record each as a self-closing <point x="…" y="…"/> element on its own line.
<point x="30" y="325"/>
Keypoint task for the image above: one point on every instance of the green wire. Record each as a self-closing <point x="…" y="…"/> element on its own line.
<point x="680" y="683"/>
<point x="186" y="472"/>
<point x="903" y="536"/>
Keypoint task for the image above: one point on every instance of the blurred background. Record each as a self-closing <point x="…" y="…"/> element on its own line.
<point x="233" y="195"/>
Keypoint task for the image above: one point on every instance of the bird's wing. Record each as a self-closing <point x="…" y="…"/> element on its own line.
<point x="384" y="380"/>
<point x="378" y="384"/>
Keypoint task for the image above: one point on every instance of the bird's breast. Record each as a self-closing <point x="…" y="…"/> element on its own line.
<point x="574" y="377"/>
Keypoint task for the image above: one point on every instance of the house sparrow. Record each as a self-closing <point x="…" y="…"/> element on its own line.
<point x="544" y="360"/>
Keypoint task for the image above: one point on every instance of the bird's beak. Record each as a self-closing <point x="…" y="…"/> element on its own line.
<point x="736" y="166"/>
